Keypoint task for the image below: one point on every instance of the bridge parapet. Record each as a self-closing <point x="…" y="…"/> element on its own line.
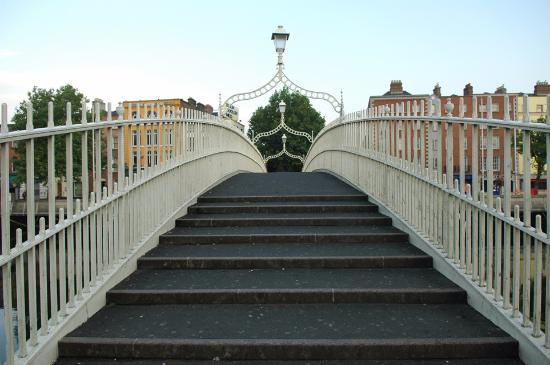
<point x="141" y="176"/>
<point x="402" y="155"/>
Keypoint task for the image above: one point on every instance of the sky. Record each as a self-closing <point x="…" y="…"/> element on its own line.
<point x="126" y="50"/>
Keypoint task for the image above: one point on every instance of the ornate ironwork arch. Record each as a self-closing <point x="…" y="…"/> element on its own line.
<point x="284" y="152"/>
<point x="280" y="77"/>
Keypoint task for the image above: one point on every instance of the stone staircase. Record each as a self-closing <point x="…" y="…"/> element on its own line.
<point x="286" y="268"/>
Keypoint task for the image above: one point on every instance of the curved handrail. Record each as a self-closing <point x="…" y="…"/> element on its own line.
<point x="483" y="237"/>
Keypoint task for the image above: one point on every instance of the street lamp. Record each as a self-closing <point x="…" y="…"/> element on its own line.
<point x="282" y="107"/>
<point x="284" y="141"/>
<point x="279" y="38"/>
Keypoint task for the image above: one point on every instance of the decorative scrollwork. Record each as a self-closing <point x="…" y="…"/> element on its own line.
<point x="268" y="133"/>
<point x="282" y="125"/>
<point x="294" y="156"/>
<point x="255" y="93"/>
<point x="284" y="152"/>
<point x="280" y="77"/>
<point x="312" y="94"/>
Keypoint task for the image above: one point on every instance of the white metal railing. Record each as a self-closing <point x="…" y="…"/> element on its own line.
<point x="67" y="260"/>
<point x="397" y="153"/>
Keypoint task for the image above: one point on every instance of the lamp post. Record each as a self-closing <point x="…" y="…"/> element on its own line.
<point x="279" y="38"/>
<point x="282" y="108"/>
<point x="284" y="141"/>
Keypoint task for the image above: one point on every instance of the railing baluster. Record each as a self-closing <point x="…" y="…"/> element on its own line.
<point x="6" y="246"/>
<point x="109" y="152"/>
<point x="104" y="258"/>
<point x="31" y="232"/>
<point x="475" y="191"/>
<point x="526" y="139"/>
<point x="516" y="265"/>
<point x="78" y="249"/>
<point x="42" y="278"/>
<point x="482" y="240"/>
<point x="62" y="265"/>
<point x="70" y="211"/>
<point x="20" y="286"/>
<point x="52" y="245"/>
<point x="537" y="290"/>
<point x="498" y="252"/>
<point x="93" y="241"/>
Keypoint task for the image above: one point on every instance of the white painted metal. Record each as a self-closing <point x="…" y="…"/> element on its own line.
<point x="468" y="225"/>
<point x="77" y="256"/>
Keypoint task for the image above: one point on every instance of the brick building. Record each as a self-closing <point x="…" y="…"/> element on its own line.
<point x="396" y="94"/>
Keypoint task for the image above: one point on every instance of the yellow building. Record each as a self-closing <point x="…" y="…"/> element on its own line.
<point x="149" y="143"/>
<point x="537" y="107"/>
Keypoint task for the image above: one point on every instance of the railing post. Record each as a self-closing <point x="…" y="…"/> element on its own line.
<point x="526" y="139"/>
<point x="6" y="248"/>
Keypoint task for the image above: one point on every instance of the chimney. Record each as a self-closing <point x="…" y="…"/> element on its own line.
<point x="396" y="87"/>
<point x="468" y="90"/>
<point x="542" y="88"/>
<point x="500" y="90"/>
<point x="437" y="90"/>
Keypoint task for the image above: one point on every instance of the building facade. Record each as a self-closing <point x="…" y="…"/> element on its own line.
<point x="149" y="144"/>
<point x="396" y="94"/>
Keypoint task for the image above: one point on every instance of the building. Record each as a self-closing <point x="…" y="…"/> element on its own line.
<point x="537" y="102"/>
<point x="537" y="107"/>
<point x="149" y="143"/>
<point x="396" y="94"/>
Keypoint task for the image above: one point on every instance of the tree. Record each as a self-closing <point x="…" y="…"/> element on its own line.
<point x="538" y="152"/>
<point x="39" y="98"/>
<point x="299" y="115"/>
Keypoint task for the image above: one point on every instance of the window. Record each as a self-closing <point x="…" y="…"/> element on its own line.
<point x="135" y="137"/>
<point x="149" y="158"/>
<point x="496" y="142"/>
<point x="134" y="162"/>
<point x="483" y="108"/>
<point x="540" y="108"/>
<point x="169" y="137"/>
<point x="134" y="115"/>
<point x="148" y="137"/>
<point x="155" y="138"/>
<point x="496" y="163"/>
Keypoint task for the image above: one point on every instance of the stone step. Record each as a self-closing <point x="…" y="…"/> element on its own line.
<point x="283" y="207"/>
<point x="116" y="361"/>
<point x="280" y="198"/>
<point x="282" y="183"/>
<point x="282" y="219"/>
<point x="270" y="234"/>
<point x="284" y="255"/>
<point x="286" y="286"/>
<point x="289" y="331"/>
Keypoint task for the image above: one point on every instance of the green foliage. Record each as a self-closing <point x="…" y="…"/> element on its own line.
<point x="39" y="98"/>
<point x="299" y="115"/>
<point x="538" y="151"/>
